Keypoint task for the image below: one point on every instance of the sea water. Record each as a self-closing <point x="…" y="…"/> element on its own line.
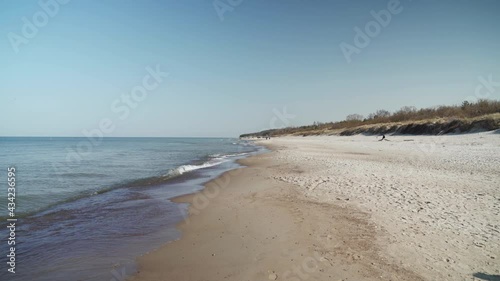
<point x="86" y="209"/>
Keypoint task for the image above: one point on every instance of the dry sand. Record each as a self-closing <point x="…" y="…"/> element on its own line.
<point x="345" y="208"/>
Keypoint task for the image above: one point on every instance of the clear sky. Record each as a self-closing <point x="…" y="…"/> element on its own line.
<point x="232" y="71"/>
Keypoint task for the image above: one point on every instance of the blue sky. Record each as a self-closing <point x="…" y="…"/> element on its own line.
<point x="231" y="76"/>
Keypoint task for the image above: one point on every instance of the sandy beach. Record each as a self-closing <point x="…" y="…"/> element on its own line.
<point x="345" y="208"/>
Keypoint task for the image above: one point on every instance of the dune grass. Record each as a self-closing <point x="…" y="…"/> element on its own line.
<point x="469" y="116"/>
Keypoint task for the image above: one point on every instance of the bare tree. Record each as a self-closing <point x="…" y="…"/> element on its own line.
<point x="405" y="113"/>
<point x="353" y="117"/>
<point x="381" y="113"/>
<point x="408" y="109"/>
<point x="465" y="104"/>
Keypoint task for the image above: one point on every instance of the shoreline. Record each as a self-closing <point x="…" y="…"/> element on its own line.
<point x="135" y="215"/>
<point x="343" y="208"/>
<point x="266" y="235"/>
<point x="184" y="197"/>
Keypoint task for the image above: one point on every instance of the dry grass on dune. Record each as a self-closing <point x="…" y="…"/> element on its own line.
<point x="483" y="115"/>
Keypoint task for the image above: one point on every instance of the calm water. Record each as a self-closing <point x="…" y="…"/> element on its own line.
<point x="87" y="210"/>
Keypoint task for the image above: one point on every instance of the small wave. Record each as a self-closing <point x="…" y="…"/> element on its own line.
<point x="244" y="143"/>
<point x="238" y="154"/>
<point x="213" y="160"/>
<point x="219" y="156"/>
<point x="189" y="168"/>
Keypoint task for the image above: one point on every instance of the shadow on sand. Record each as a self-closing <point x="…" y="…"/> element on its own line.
<point x="487" y="277"/>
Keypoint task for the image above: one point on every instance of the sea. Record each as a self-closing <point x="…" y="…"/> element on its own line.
<point x="87" y="208"/>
